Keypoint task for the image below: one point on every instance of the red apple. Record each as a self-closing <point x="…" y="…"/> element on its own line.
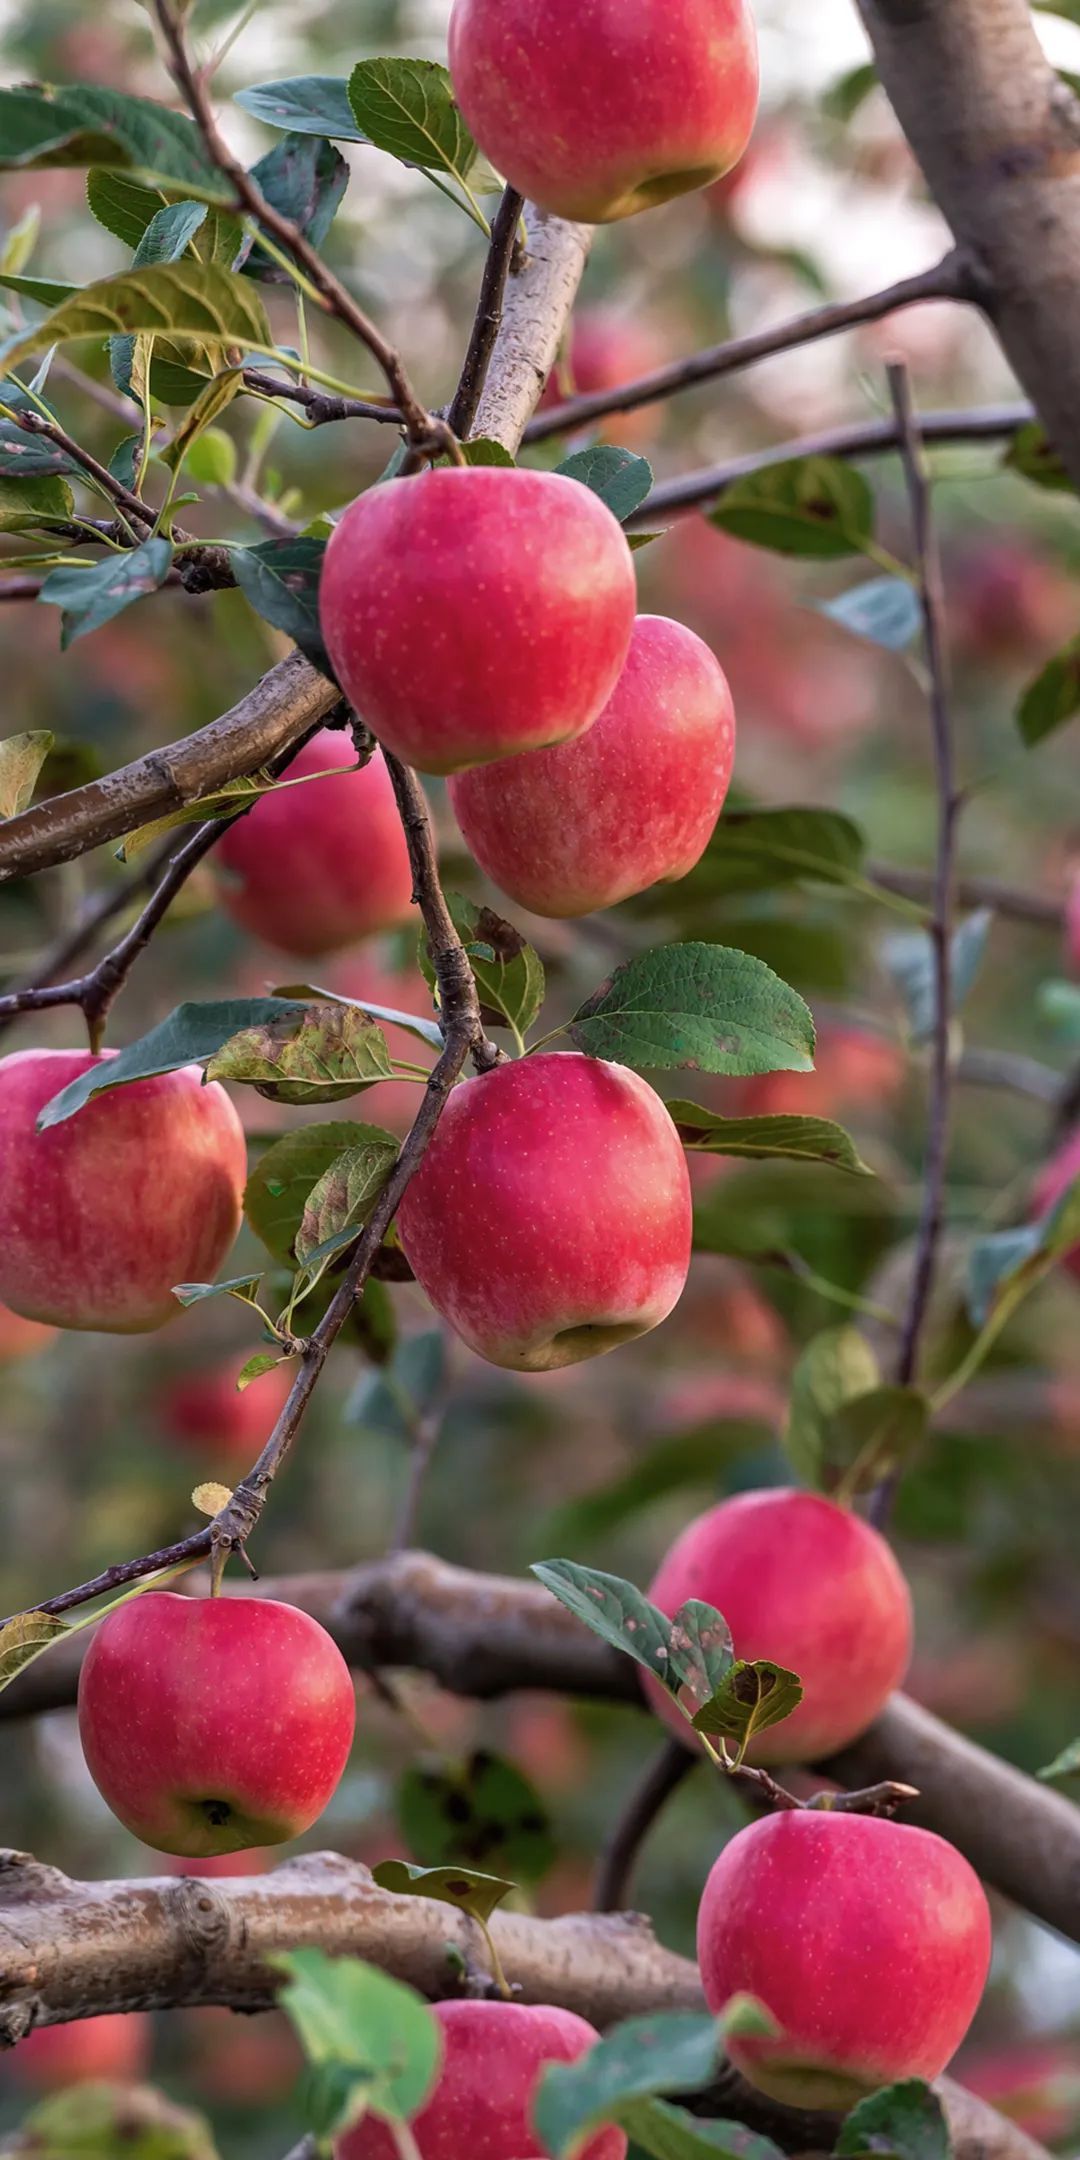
<point x="21" y="1338"/>
<point x="1060" y="1173"/>
<point x="609" y="348"/>
<point x="868" y="1941"/>
<point x="212" y="1724"/>
<point x="854" y="1069"/>
<point x="494" y="2055"/>
<point x="550" y="1219"/>
<point x="315" y="866"/>
<point x="809" y="1585"/>
<point x="104" y="1213"/>
<point x="205" y="1411"/>
<point x="98" y="2047"/>
<point x="1035" y="2083"/>
<point x="240" y="2060"/>
<point x="630" y="804"/>
<point x="594" y="111"/>
<point x="474" y="612"/>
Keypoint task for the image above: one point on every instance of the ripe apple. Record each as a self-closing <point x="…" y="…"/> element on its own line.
<point x="212" y="1724"/>
<point x="854" y="1069"/>
<point x="608" y="348"/>
<point x="1060" y="1172"/>
<point x="21" y="1338"/>
<point x="315" y="866"/>
<point x="115" y="2047"/>
<point x="809" y="1585"/>
<point x="474" y="612"/>
<point x="868" y="1941"/>
<point x="206" y="1412"/>
<point x="550" y="1219"/>
<point x="630" y="804"/>
<point x="240" y="2061"/>
<point x="594" y="111"/>
<point x="494" y="2054"/>
<point x="104" y="1213"/>
<point x="1034" y="2083"/>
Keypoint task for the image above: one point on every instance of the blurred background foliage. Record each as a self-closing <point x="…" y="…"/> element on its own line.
<point x="605" y="1461"/>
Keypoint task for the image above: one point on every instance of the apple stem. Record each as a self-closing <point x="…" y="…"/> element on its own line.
<point x="884" y="1799"/>
<point x="498" y="1973"/>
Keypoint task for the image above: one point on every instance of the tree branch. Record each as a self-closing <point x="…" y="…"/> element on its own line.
<point x="949" y="279"/>
<point x="1013" y="901"/>
<point x="485" y="328"/>
<point x="662" y="1776"/>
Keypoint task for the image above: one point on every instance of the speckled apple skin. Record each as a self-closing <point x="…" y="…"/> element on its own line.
<point x="106" y="1212"/>
<point x="313" y="868"/>
<point x="595" y="109"/>
<point x="809" y="1585"/>
<point x="494" y="2056"/>
<point x="473" y="613"/>
<point x="868" y="1941"/>
<point x="631" y="803"/>
<point x="550" y="1218"/>
<point x="185" y="1703"/>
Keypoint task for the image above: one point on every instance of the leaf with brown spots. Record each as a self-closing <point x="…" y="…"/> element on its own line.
<point x="321" y="1054"/>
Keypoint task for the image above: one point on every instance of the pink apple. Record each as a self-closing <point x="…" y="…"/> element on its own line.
<point x="115" y="2047"/>
<point x="1060" y="1173"/>
<point x="494" y="2055"/>
<point x="1034" y="2083"/>
<point x="854" y="1069"/>
<point x="550" y="1218"/>
<point x="204" y="1410"/>
<point x="809" y="1585"/>
<point x="594" y="111"/>
<point x="105" y="1212"/>
<point x="317" y="865"/>
<point x="609" y="348"/>
<point x="631" y="803"/>
<point x="21" y="1338"/>
<point x="868" y="1941"/>
<point x="212" y="1724"/>
<point x="472" y="613"/>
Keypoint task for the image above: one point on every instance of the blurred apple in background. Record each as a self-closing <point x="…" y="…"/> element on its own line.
<point x="854" y="1069"/>
<point x="21" y="1338"/>
<point x="205" y="1411"/>
<point x="608" y="347"/>
<point x="99" y="2048"/>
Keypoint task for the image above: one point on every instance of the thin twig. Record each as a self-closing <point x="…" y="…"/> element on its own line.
<point x="485" y="330"/>
<point x="949" y="279"/>
<point x="1013" y="901"/>
<point x="320" y="406"/>
<point x="932" y="598"/>
<point x="424" y="431"/>
<point x="662" y="1776"/>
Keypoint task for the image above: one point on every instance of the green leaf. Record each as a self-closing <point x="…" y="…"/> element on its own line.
<point x="1059" y="1003"/>
<point x="811" y="506"/>
<point x="751" y="1697"/>
<point x="705" y="1006"/>
<point x="1006" y="1266"/>
<point x="464" y="1888"/>
<point x="310" y="1054"/>
<point x="277" y="1189"/>
<point x="788" y="1138"/>
<point x="180" y="299"/>
<point x="346" y="1193"/>
<point x="281" y="580"/>
<point x="305" y="179"/>
<point x="701" y="1653"/>
<point x="906" y="2121"/>
<point x="393" y="1402"/>
<point x="226" y="802"/>
<point x="21" y="760"/>
<point x="189" y="1035"/>
<point x="347" y="2013"/>
<point x="123" y="205"/>
<point x="90" y="596"/>
<point x="835" y="1367"/>
<point x="843" y="98"/>
<point x="483" y="450"/>
<point x="674" y="2052"/>
<point x="509" y="973"/>
<point x="1032" y="454"/>
<point x="481" y="1812"/>
<point x="621" y="479"/>
<point x="211" y="461"/>
<point x="205" y="409"/>
<point x="99" y="2122"/>
<point x="306" y="104"/>
<point x="242" y="1287"/>
<point x="264" y="1361"/>
<point x="34" y="505"/>
<point x="407" y="107"/>
<point x="757" y="850"/>
<point x="669" y="2133"/>
<point x="1053" y="698"/>
<point x="874" y="1435"/>
<point x="614" y="1610"/>
<point x="1064" y="1765"/>
<point x="884" y="611"/>
<point x="24" y="1638"/>
<point x="87" y="124"/>
<point x="48" y="292"/>
<point x="426" y="1031"/>
<point x="909" y="957"/>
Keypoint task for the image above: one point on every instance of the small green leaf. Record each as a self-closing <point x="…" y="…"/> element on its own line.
<point x="464" y="1888"/>
<point x="751" y="1697"/>
<point x="874" y="1435"/>
<point x="1059" y="1003"/>
<point x="1032" y="454"/>
<point x="701" y="1653"/>
<point x="905" y="2121"/>
<point x="24" y="1638"/>
<point x="909" y="957"/>
<point x="242" y="1287"/>
<point x="346" y="1193"/>
<point x="306" y="104"/>
<point x="211" y="461"/>
<point x="393" y="1402"/>
<point x="189" y="1035"/>
<point x="123" y="205"/>
<point x="509" y="973"/>
<point x="312" y="1054"/>
<point x="744" y="2017"/>
<point x="88" y="124"/>
<point x="813" y="506"/>
<point x="482" y="450"/>
<point x="21" y="761"/>
<point x="407" y="107"/>
<point x="843" y="98"/>
<point x="482" y="1813"/>
<point x="884" y="611"/>
<point x="673" y="2052"/>
<point x="304" y="179"/>
<point x="783" y="1137"/>
<point x="835" y="1367"/>
<point x="277" y="1189"/>
<point x="1053" y="698"/>
<point x="621" y="479"/>
<point x="227" y="802"/>
<point x="281" y="580"/>
<point x="91" y="596"/>
<point x="264" y="1361"/>
<point x="1064" y="1765"/>
<point x="614" y="1610"/>
<point x="213" y="400"/>
<point x="347" y="2013"/>
<point x="705" y="1006"/>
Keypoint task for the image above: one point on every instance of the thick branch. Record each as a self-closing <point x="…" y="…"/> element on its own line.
<point x="947" y="280"/>
<point x="70" y="1950"/>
